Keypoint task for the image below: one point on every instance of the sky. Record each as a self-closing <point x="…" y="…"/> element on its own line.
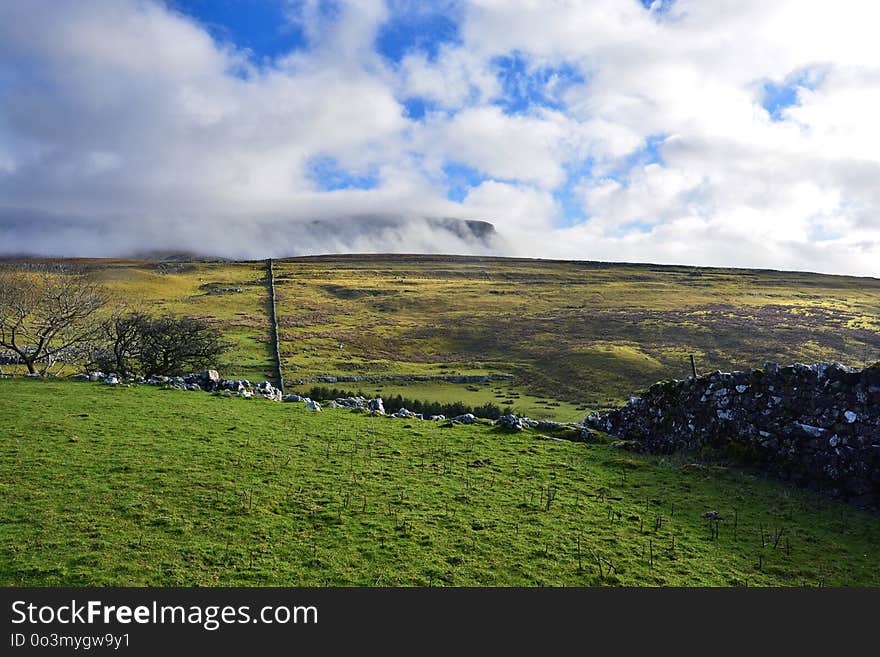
<point x="702" y="132"/>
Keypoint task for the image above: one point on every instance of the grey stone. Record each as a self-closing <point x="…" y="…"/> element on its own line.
<point x="510" y="422"/>
<point x="810" y="430"/>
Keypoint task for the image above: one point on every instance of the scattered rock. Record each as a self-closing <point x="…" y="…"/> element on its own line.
<point x="406" y="414"/>
<point x="509" y="422"/>
<point x="211" y="375"/>
<point x="352" y="402"/>
<point x="587" y="435"/>
<point x="810" y="430"/>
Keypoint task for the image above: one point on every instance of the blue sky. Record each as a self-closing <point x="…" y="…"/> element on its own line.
<point x="328" y="176"/>
<point x="417" y="27"/>
<point x="779" y="96"/>
<point x="740" y="134"/>
<point x="268" y="30"/>
<point x="525" y="86"/>
<point x="260" y="26"/>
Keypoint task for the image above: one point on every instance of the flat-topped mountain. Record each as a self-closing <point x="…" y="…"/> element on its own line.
<point x="28" y="233"/>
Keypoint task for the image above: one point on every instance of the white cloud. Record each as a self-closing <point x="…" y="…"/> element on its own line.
<point x="523" y="208"/>
<point x="131" y="113"/>
<point x="451" y="80"/>
<point x="514" y="147"/>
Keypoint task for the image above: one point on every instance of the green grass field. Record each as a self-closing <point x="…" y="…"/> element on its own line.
<point x="586" y="333"/>
<point x="188" y="288"/>
<point x="577" y="336"/>
<point x="143" y="486"/>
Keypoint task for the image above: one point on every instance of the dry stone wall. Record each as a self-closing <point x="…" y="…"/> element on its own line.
<point x="818" y="425"/>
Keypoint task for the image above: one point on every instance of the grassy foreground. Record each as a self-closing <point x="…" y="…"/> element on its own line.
<point x="122" y="486"/>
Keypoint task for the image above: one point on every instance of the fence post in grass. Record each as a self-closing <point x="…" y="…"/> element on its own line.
<point x="693" y="366"/>
<point x="551" y="495"/>
<point x="777" y="536"/>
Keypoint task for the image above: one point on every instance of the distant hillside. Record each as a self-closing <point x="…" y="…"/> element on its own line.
<point x="174" y="256"/>
<point x="577" y="336"/>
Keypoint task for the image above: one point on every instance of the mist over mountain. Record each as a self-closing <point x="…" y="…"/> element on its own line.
<point x="242" y="237"/>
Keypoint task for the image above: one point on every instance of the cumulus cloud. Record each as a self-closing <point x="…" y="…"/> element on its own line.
<point x="725" y="133"/>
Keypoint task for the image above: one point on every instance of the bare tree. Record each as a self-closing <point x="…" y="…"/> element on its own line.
<point x="119" y="341"/>
<point x="48" y="314"/>
<point x="170" y="345"/>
